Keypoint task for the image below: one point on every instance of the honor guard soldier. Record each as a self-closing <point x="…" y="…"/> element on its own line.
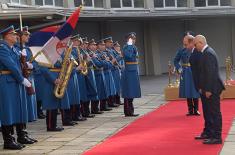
<point x="91" y="82"/>
<point x="73" y="85"/>
<point x="187" y="88"/>
<point x="13" y="101"/>
<point x="100" y="76"/>
<point x="130" y="81"/>
<point x="109" y="53"/>
<point x="50" y="102"/>
<point x="119" y="65"/>
<point x="89" y="78"/>
<point x="81" y="74"/>
<point x="31" y="98"/>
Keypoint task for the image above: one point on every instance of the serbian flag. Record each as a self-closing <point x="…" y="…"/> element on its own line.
<point x="38" y="39"/>
<point x="57" y="43"/>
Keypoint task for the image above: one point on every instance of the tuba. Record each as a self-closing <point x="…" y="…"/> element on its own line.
<point x="82" y="62"/>
<point x="66" y="70"/>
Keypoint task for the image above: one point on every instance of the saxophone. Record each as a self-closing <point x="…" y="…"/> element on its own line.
<point x="66" y="70"/>
<point x="82" y="62"/>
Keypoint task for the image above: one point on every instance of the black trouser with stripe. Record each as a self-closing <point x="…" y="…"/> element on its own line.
<point x="51" y="119"/>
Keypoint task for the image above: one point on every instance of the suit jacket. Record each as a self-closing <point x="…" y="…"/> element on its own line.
<point x="209" y="72"/>
<point x="195" y="66"/>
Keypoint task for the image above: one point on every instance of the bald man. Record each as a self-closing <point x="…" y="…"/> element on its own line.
<point x="210" y="87"/>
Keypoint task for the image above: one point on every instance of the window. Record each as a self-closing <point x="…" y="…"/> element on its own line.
<point x="170" y="3"/>
<point x="127" y="3"/>
<point x="205" y="3"/>
<point x="19" y="2"/>
<point x="90" y="3"/>
<point x="50" y="2"/>
<point x="115" y="4"/>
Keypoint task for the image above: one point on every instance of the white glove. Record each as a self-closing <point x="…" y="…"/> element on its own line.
<point x="30" y="65"/>
<point x="130" y="41"/>
<point x="26" y="83"/>
<point x="180" y="70"/>
<point x="24" y="53"/>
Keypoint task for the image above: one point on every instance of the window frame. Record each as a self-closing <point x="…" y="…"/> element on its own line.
<point x="170" y="7"/>
<point x="15" y="3"/>
<point x="44" y="5"/>
<point x="212" y="6"/>
<point x="128" y="8"/>
<point x="93" y="5"/>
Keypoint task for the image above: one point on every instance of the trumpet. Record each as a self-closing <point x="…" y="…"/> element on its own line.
<point x="111" y="57"/>
<point x="83" y="63"/>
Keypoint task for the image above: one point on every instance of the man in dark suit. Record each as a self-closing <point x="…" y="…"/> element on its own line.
<point x="194" y="60"/>
<point x="210" y="87"/>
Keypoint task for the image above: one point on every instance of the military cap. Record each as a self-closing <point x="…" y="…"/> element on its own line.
<point x="92" y="42"/>
<point x="116" y="44"/>
<point x="25" y="30"/>
<point x="189" y="33"/>
<point x="76" y="37"/>
<point x="7" y="30"/>
<point x="108" y="39"/>
<point x="100" y="42"/>
<point x="131" y="35"/>
<point x="85" y="40"/>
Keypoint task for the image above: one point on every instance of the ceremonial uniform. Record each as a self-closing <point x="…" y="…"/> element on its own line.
<point x="130" y="82"/>
<point x="50" y="102"/>
<point x="31" y="99"/>
<point x="13" y="101"/>
<point x="101" y="64"/>
<point x="187" y="87"/>
<point x="114" y="71"/>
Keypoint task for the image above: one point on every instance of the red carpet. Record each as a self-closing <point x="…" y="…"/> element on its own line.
<point x="165" y="131"/>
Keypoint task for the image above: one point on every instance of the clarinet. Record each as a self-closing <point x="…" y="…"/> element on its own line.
<point x="24" y="68"/>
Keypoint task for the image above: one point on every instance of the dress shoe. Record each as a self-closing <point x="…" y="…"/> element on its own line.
<point x="41" y="116"/>
<point x="13" y="146"/>
<point x="97" y="112"/>
<point x="189" y="114"/>
<point x="106" y="109"/>
<point x="203" y="136"/>
<point x="132" y="115"/>
<point x="80" y="119"/>
<point x="113" y="105"/>
<point x="32" y="139"/>
<point x="71" y="123"/>
<point x="24" y="140"/>
<point x="56" y="129"/>
<point x="212" y="141"/>
<point x="197" y="113"/>
<point x="89" y="116"/>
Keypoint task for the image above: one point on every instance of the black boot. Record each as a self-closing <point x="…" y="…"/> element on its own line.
<point x="39" y="110"/>
<point x="95" y="107"/>
<point x="51" y="120"/>
<point x="190" y="107"/>
<point x="111" y="102"/>
<point x="126" y="107"/>
<point x="9" y="141"/>
<point x="87" y="112"/>
<point x="118" y="100"/>
<point x="21" y="135"/>
<point x="103" y="105"/>
<point x="66" y="117"/>
<point x="76" y="116"/>
<point x="27" y="134"/>
<point x="195" y="107"/>
<point x="131" y="108"/>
